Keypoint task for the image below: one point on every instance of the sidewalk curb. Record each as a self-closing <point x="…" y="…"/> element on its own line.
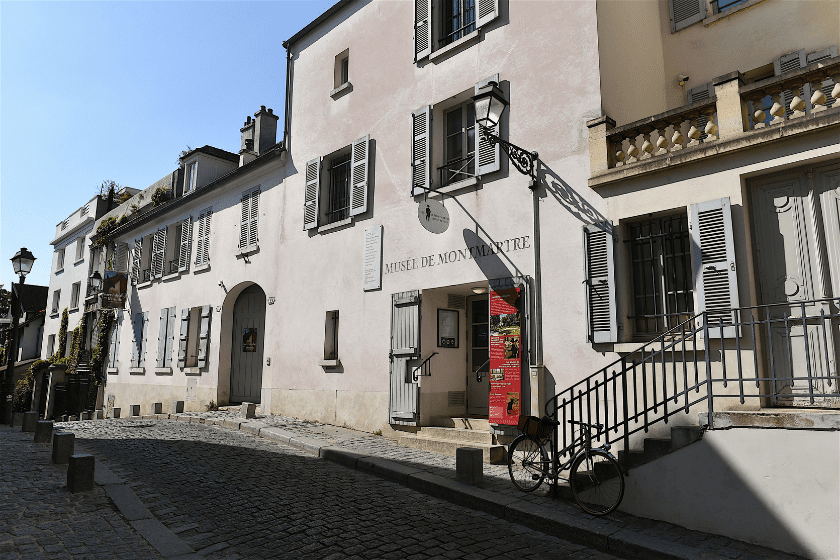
<point x="592" y="532"/>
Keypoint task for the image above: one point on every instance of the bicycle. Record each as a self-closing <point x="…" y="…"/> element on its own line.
<point x="596" y="479"/>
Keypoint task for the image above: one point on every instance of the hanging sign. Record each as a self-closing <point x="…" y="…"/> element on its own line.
<point x="114" y="288"/>
<point x="433" y="216"/>
<point x="505" y="356"/>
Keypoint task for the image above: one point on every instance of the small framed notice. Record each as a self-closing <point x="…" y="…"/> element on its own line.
<point x="447" y="328"/>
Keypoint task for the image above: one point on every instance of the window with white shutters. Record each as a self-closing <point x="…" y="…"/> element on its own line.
<point x="337" y="186"/>
<point x="455" y="20"/>
<point x="600" y="282"/>
<point x="114" y="340"/>
<point x="248" y="224"/>
<point x="166" y="337"/>
<point x="158" y="253"/>
<point x="59" y="260"/>
<point x="686" y="12"/>
<point x="202" y="238"/>
<point x="189" y="329"/>
<point x="139" y="330"/>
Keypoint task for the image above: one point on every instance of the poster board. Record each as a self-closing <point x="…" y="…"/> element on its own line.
<point x="505" y="356"/>
<point x="114" y="289"/>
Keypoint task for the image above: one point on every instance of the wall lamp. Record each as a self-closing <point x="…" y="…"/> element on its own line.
<point x="490" y="103"/>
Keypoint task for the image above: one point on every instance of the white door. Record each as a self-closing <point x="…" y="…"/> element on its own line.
<point x="793" y="232"/>
<point x="247" y="349"/>
<point x="478" y="352"/>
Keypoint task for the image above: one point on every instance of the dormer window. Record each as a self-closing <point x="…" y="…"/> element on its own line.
<point x="192" y="176"/>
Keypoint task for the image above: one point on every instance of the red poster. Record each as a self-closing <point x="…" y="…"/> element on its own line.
<point x="505" y="357"/>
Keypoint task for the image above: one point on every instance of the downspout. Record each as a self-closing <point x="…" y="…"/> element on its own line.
<point x="288" y="100"/>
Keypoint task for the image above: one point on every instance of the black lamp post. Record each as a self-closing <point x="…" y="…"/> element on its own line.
<point x="22" y="263"/>
<point x="95" y="281"/>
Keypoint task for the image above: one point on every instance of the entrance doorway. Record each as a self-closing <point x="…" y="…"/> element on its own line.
<point x="478" y="352"/>
<point x="797" y="242"/>
<point x="247" y="346"/>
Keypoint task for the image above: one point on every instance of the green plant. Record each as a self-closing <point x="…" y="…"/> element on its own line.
<point x="22" y="396"/>
<point x="103" y="329"/>
<point x="377" y="433"/>
<point x="104" y="229"/>
<point x="125" y="196"/>
<point x="106" y="186"/>
<point x="160" y="195"/>
<point x="134" y="208"/>
<point x="76" y="345"/>
<point x="62" y="335"/>
<point x="211" y="406"/>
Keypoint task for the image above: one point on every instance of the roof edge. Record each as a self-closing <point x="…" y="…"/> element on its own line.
<point x="314" y="24"/>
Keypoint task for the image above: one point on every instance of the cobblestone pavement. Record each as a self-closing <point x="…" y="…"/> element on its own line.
<point x="230" y="495"/>
<point x="40" y="518"/>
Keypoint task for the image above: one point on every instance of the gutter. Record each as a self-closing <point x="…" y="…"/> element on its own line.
<point x="331" y="11"/>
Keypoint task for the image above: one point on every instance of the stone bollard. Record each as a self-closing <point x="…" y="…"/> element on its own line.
<point x="17" y="420"/>
<point x="135" y="410"/>
<point x="469" y="465"/>
<point x="30" y="420"/>
<point x="43" y="431"/>
<point x="157" y="408"/>
<point x="177" y="407"/>
<point x="248" y="410"/>
<point x="63" y="445"/>
<point x="100" y="415"/>
<point x="116" y="412"/>
<point x="80" y="473"/>
<point x="73" y="418"/>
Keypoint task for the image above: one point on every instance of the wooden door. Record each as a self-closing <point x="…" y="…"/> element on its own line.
<point x="794" y="274"/>
<point x="247" y="347"/>
<point x="478" y="352"/>
<point x="404" y="392"/>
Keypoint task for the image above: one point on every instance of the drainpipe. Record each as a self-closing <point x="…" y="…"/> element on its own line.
<point x="537" y="368"/>
<point x="288" y="100"/>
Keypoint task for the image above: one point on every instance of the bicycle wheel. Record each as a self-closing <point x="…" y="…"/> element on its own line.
<point x="527" y="463"/>
<point x="597" y="482"/>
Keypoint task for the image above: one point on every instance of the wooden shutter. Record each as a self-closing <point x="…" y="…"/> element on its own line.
<point x="487" y="154"/>
<point x="137" y="329"/>
<point x="713" y="263"/>
<point x="182" y="337"/>
<point x="686" y="12"/>
<point x="311" y="193"/>
<point x="114" y="343"/>
<point x="202" y="242"/>
<point x="145" y="327"/>
<point x="164" y="317"/>
<point x="254" y="218"/>
<point x="204" y="336"/>
<point x="186" y="245"/>
<point x="488" y="10"/>
<point x="600" y="282"/>
<point x="405" y="346"/>
<point x="421" y="149"/>
<point x="135" y="260"/>
<point x="244" y="219"/>
<point x="120" y="257"/>
<point x="422" y="29"/>
<point x="170" y="338"/>
<point x="158" y="253"/>
<point x="359" y="176"/>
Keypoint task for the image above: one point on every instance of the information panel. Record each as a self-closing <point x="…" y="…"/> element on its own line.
<point x="505" y="356"/>
<point x="373" y="258"/>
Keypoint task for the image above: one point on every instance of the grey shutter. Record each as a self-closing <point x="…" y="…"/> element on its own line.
<point x="144" y="327"/>
<point x="164" y="317"/>
<point x="487" y="154"/>
<point x="204" y="336"/>
<point x="120" y="262"/>
<point x="254" y="218"/>
<point x="600" y="282"/>
<point x="170" y="338"/>
<point x="405" y="346"/>
<point x="206" y="254"/>
<point x="135" y="260"/>
<point x="311" y="193"/>
<point x="158" y="253"/>
<point x="359" y="176"/>
<point x="137" y="329"/>
<point x="244" y="219"/>
<point x="421" y="149"/>
<point x="182" y="337"/>
<point x="422" y="29"/>
<point x="686" y="12"/>
<point x="202" y="248"/>
<point x="488" y="10"/>
<point x="186" y="245"/>
<point x="713" y="264"/>
<point x="114" y="343"/>
<point x="790" y="63"/>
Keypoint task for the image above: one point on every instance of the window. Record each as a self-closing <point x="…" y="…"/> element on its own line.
<point x="457" y="20"/>
<point x="80" y="249"/>
<point x="50" y="346"/>
<point x="140" y="328"/>
<point x="166" y="336"/>
<point x="341" y="73"/>
<point x="56" y="300"/>
<point x="202" y="241"/>
<point x="663" y="291"/>
<point x="686" y="12"/>
<point x="59" y="260"/>
<point x="331" y="340"/>
<point x="341" y="192"/>
<point x="447" y="149"/>
<point x="178" y="247"/>
<point x="248" y="224"/>
<point x="345" y="70"/>
<point x="721" y="5"/>
<point x="192" y="177"/>
<point x="74" y="295"/>
<point x="166" y="251"/>
<point x="440" y="24"/>
<point x="194" y="338"/>
<point x="85" y="209"/>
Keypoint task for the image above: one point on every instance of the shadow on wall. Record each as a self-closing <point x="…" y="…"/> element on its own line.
<point x="566" y="196"/>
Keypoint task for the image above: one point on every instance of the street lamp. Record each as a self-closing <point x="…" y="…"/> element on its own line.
<point x="95" y="280"/>
<point x="22" y="263"/>
<point x="490" y="103"/>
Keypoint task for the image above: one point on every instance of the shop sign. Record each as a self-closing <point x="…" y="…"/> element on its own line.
<point x="433" y="216"/>
<point x="505" y="356"/>
<point x="114" y="289"/>
<point x="467" y="253"/>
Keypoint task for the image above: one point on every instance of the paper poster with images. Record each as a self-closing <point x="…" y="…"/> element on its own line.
<point x="114" y="289"/>
<point x="505" y="356"/>
<point x="249" y="339"/>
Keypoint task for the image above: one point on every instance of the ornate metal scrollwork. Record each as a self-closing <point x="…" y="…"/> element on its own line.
<point x="521" y="158"/>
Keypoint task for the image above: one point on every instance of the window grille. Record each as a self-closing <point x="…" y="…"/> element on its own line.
<point x="458" y="19"/>
<point x="459" y="144"/>
<point x="339" y="195"/>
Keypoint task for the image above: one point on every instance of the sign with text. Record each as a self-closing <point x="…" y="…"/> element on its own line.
<point x="114" y="288"/>
<point x="433" y="216"/>
<point x="505" y="356"/>
<point x="373" y="258"/>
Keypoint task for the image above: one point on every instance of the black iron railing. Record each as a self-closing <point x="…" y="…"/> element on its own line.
<point x="457" y="170"/>
<point x="424" y="369"/>
<point x="782" y="354"/>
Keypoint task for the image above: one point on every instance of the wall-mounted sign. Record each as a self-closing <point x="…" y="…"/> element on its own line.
<point x="373" y="258"/>
<point x="249" y="339"/>
<point x="467" y="253"/>
<point x="433" y="216"/>
<point x="447" y="328"/>
<point x="114" y="289"/>
<point x="505" y="356"/>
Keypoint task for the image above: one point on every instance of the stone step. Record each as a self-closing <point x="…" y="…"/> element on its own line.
<point x="491" y="453"/>
<point x="654" y="448"/>
<point x="456" y="434"/>
<point x="482" y="424"/>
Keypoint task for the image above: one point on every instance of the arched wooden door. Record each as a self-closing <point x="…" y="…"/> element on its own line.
<point x="247" y="348"/>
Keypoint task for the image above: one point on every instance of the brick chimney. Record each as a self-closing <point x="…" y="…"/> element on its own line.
<point x="265" y="130"/>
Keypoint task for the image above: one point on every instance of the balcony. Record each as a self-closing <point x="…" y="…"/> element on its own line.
<point x="736" y="117"/>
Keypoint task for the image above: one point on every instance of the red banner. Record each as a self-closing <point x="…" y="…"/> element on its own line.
<point x="505" y="356"/>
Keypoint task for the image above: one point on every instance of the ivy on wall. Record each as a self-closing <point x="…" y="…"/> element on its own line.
<point x="62" y="335"/>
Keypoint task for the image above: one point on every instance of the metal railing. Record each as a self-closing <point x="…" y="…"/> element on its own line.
<point x="424" y="369"/>
<point x="456" y="170"/>
<point x="781" y="354"/>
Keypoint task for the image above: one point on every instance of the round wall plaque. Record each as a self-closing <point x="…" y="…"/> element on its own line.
<point x="433" y="216"/>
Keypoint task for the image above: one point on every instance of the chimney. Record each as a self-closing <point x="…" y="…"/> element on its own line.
<point x="247" y="131"/>
<point x="247" y="153"/>
<point x="265" y="131"/>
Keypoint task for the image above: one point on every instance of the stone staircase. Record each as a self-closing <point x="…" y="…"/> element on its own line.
<point x="654" y="448"/>
<point x="448" y="434"/>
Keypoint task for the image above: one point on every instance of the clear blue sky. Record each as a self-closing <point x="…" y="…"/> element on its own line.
<point x="115" y="90"/>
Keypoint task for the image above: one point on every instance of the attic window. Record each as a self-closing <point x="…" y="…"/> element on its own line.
<point x="341" y="73"/>
<point x="192" y="176"/>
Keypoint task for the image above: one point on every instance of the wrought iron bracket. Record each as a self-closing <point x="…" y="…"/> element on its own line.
<point x="522" y="159"/>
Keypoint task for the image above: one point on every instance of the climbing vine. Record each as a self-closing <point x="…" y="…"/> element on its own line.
<point x="104" y="229"/>
<point x="62" y="335"/>
<point x="76" y="345"/>
<point x="97" y="359"/>
<point x="160" y="196"/>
